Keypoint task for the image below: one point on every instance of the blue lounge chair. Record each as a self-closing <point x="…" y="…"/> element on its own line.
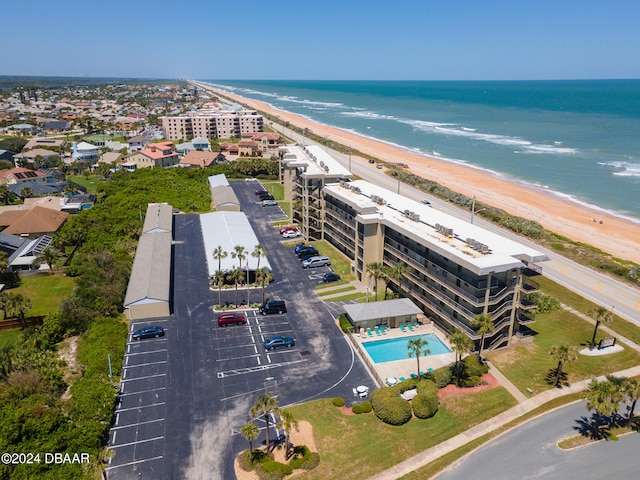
<point x="369" y="332"/>
<point x="383" y="330"/>
<point x="410" y="326"/>
<point x="429" y="369"/>
<point x="413" y="375"/>
<point x="377" y="330"/>
<point x="416" y="324"/>
<point x="402" y="379"/>
<point x="402" y="327"/>
<point x="421" y="373"/>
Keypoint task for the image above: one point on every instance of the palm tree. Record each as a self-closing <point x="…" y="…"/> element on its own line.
<point x="598" y="397"/>
<point x="265" y="404"/>
<point x="386" y="274"/>
<point x="401" y="269"/>
<point x="218" y="280"/>
<point x="4" y="262"/>
<point x="616" y="395"/>
<point x="49" y="256"/>
<point x="375" y="270"/>
<point x="258" y="252"/>
<point x="600" y="315"/>
<point x="4" y="303"/>
<point x="219" y="254"/>
<point x="562" y="354"/>
<point x="240" y="253"/>
<point x="250" y="431"/>
<point x="632" y="392"/>
<point x="263" y="277"/>
<point x="18" y="305"/>
<point x="418" y="346"/>
<point x="236" y="276"/>
<point x="485" y="324"/>
<point x="5" y="194"/>
<point x="462" y="345"/>
<point x="26" y="192"/>
<point x="287" y="423"/>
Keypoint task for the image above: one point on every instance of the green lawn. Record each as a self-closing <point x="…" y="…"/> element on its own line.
<point x="527" y="366"/>
<point x="46" y="293"/>
<point x="566" y="296"/>
<point x="8" y="338"/>
<point x="90" y="183"/>
<point x="359" y="446"/>
<point x="347" y="288"/>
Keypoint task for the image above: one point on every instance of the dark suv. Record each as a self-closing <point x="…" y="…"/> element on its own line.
<point x="226" y="319"/>
<point x="273" y="306"/>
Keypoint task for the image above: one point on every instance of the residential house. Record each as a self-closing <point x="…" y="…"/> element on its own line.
<point x="85" y="152"/>
<point x="111" y="158"/>
<point x="32" y="223"/>
<point x="45" y="142"/>
<point x="138" y="143"/>
<point x="155" y="155"/>
<point x="248" y="148"/>
<point x="20" y="175"/>
<point x="35" y="156"/>
<point x="7" y="155"/>
<point x="198" y="159"/>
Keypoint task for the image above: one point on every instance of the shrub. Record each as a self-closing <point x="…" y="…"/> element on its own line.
<point x="425" y="406"/>
<point x="311" y="461"/>
<point x="544" y="303"/>
<point x="300" y="453"/>
<point x="472" y="368"/>
<point x="273" y="470"/>
<point x="442" y="376"/>
<point x="427" y="387"/>
<point x="390" y="408"/>
<point x="472" y="381"/>
<point x="338" y="402"/>
<point x="345" y="324"/>
<point x="364" y="407"/>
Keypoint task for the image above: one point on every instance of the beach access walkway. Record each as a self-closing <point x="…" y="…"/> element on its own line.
<point x="525" y="406"/>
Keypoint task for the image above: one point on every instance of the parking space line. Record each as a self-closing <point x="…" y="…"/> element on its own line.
<point x="145" y="353"/>
<point x="136" y="442"/>
<point x="146" y="364"/>
<point x="228" y="359"/>
<point x="128" y="464"/>
<point x="241" y="371"/>
<point x="140" y="378"/>
<point x="123" y="394"/>
<point x="139" y="406"/>
<point x="136" y="424"/>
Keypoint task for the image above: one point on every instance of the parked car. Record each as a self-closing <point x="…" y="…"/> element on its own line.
<point x="308" y="251"/>
<point x="315" y="262"/>
<point x="330" y="277"/>
<point x="261" y="191"/>
<point x="300" y="246"/>
<point x="379" y="165"/>
<point x="226" y="319"/>
<point x="273" y="306"/>
<point x="292" y="234"/>
<point x="266" y="196"/>
<point x="152" y="331"/>
<point x="288" y="229"/>
<point x="307" y="256"/>
<point x="371" y="160"/>
<point x="426" y="202"/>
<point x="278" y="342"/>
<point x="269" y="203"/>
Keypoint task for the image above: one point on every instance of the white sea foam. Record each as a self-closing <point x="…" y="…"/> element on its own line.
<point x="625" y="169"/>
<point x="367" y="114"/>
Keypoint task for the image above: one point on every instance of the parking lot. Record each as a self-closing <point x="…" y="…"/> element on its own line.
<point x="185" y="396"/>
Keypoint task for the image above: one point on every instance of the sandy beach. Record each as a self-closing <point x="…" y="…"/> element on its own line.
<point x="611" y="234"/>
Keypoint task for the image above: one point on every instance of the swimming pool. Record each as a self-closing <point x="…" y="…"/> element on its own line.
<point x="396" y="348"/>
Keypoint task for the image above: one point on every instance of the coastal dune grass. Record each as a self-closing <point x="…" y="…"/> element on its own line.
<point x="359" y="446"/>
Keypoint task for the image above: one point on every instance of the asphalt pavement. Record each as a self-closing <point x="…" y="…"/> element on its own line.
<point x="185" y="396"/>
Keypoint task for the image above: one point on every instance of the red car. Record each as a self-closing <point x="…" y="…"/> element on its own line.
<point x="261" y="192"/>
<point x="288" y="229"/>
<point x="227" y="319"/>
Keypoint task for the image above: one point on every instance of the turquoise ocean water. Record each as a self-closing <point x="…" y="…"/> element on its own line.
<point x="578" y="139"/>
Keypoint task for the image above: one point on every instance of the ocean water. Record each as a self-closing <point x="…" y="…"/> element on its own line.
<point x="578" y="139"/>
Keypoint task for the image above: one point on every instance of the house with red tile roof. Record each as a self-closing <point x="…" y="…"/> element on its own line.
<point x="199" y="159"/>
<point x="154" y="155"/>
<point x="20" y="175"/>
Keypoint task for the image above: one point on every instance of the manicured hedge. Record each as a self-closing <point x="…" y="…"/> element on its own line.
<point x="273" y="470"/>
<point x="364" y="407"/>
<point x="442" y="376"/>
<point x="425" y="406"/>
<point x="345" y="324"/>
<point x="304" y="458"/>
<point x="427" y="388"/>
<point x="390" y="407"/>
<point x="338" y="402"/>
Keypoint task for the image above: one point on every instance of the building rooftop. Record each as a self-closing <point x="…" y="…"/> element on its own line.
<point x="316" y="160"/>
<point x="476" y="248"/>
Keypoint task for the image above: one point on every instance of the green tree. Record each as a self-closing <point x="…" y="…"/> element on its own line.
<point x="462" y="345"/>
<point x="386" y="274"/>
<point x="250" y="431"/>
<point x="374" y="270"/>
<point x="5" y="303"/>
<point x="4" y="263"/>
<point x="617" y="394"/>
<point x="18" y="305"/>
<point x="263" y="277"/>
<point x="598" y="397"/>
<point x="401" y="270"/>
<point x="418" y="346"/>
<point x="600" y="315"/>
<point x="562" y="354"/>
<point x="49" y="256"/>
<point x="287" y="423"/>
<point x="219" y="254"/>
<point x="484" y="322"/>
<point x="632" y="393"/>
<point x="5" y="194"/>
<point x="218" y="281"/>
<point x="236" y="275"/>
<point x="26" y="192"/>
<point x="240" y="253"/>
<point x="258" y="252"/>
<point x="265" y="405"/>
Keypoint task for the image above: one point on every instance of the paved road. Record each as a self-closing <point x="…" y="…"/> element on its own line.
<point x="185" y="396"/>
<point x="530" y="451"/>
<point x="590" y="284"/>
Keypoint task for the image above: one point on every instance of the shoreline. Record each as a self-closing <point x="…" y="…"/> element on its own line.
<point x="555" y="211"/>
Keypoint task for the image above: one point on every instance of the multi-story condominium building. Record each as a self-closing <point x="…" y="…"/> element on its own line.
<point x="220" y="123"/>
<point x="457" y="270"/>
<point x="304" y="171"/>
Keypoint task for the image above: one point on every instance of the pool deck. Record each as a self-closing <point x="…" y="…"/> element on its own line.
<point x="404" y="368"/>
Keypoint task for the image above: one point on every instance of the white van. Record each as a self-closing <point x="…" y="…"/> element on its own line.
<point x="314" y="262"/>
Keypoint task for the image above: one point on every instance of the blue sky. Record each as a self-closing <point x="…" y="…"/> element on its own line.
<point x="372" y="40"/>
